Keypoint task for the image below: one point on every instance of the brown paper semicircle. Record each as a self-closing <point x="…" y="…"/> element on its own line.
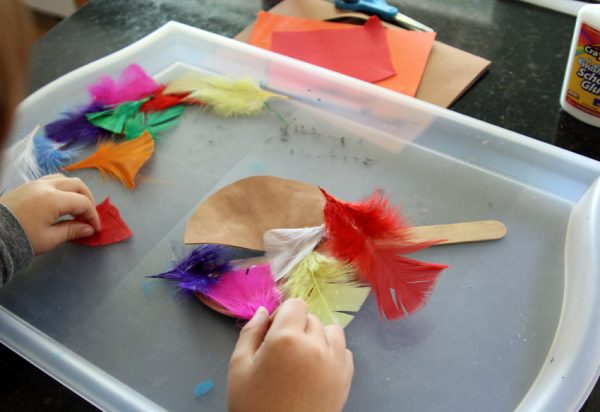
<point x="240" y="213"/>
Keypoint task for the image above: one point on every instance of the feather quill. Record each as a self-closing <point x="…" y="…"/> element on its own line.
<point x="51" y="157"/>
<point x="120" y="161"/>
<point x="242" y="291"/>
<point x="328" y="287"/>
<point x="18" y="163"/>
<point x="133" y="84"/>
<point x="228" y="97"/>
<point x="372" y="236"/>
<point x="285" y="248"/>
<point x="74" y="128"/>
<point x="201" y="269"/>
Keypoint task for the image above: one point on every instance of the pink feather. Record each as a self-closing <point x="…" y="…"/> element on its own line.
<point x="243" y="291"/>
<point x="133" y="84"/>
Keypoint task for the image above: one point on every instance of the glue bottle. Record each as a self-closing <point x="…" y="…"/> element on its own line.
<point x="580" y="96"/>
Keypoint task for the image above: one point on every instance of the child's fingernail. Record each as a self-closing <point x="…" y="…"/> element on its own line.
<point x="86" y="231"/>
<point x="261" y="314"/>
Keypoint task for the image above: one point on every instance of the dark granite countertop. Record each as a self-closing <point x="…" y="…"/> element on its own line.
<point x="528" y="47"/>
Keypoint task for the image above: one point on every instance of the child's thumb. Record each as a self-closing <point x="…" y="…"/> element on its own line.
<point x="253" y="334"/>
<point x="70" y="230"/>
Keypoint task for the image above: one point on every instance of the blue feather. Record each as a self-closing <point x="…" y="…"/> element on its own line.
<point x="50" y="156"/>
<point x="200" y="270"/>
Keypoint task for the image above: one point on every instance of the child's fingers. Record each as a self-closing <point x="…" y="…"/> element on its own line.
<point x="69" y="230"/>
<point x="348" y="365"/>
<point x="78" y="205"/>
<point x="335" y="336"/>
<point x="291" y="315"/>
<point x="315" y="329"/>
<point x="336" y="339"/>
<point x="252" y="335"/>
<point x="72" y="184"/>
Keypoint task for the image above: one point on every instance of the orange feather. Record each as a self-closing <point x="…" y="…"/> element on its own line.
<point x="121" y="161"/>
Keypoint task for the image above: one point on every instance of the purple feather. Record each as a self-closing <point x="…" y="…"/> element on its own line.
<point x="200" y="270"/>
<point x="74" y="128"/>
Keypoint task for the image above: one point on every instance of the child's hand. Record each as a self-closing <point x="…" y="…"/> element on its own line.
<point x="290" y="363"/>
<point x="40" y="203"/>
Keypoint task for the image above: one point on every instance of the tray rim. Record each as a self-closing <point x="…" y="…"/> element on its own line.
<point x="180" y="34"/>
<point x="174" y="31"/>
<point x="577" y="330"/>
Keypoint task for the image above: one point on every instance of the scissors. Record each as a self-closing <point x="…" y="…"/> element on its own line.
<point x="383" y="11"/>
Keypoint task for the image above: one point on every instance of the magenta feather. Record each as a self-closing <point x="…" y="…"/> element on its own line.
<point x="243" y="291"/>
<point x="133" y="84"/>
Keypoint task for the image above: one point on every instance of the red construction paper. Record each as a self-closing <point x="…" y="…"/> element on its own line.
<point x="114" y="229"/>
<point x="267" y="23"/>
<point x="409" y="50"/>
<point x="360" y="52"/>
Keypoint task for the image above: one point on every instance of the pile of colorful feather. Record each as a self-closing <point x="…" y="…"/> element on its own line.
<point x="331" y="254"/>
<point x="124" y="119"/>
<point x="333" y="266"/>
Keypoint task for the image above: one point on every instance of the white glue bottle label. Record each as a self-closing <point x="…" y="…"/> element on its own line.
<point x="580" y="96"/>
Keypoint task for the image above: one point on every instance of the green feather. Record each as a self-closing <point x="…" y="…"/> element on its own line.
<point x="127" y="119"/>
<point x="228" y="97"/>
<point x="154" y="122"/>
<point x="114" y="120"/>
<point x="328" y="287"/>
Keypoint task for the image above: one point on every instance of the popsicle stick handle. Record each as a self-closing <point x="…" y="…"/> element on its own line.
<point x="461" y="232"/>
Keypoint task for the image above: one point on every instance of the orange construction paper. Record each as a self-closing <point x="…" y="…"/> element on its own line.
<point x="361" y="52"/>
<point x="409" y="50"/>
<point x="119" y="160"/>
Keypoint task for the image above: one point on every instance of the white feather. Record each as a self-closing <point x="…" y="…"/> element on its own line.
<point x="284" y="248"/>
<point x="18" y="163"/>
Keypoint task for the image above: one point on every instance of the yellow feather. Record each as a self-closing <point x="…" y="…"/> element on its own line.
<point x="227" y="96"/>
<point x="328" y="287"/>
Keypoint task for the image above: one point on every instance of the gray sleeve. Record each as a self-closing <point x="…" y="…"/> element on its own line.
<point x="15" y="249"/>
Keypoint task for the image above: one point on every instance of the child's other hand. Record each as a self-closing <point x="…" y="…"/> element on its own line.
<point x="40" y="203"/>
<point x="290" y="363"/>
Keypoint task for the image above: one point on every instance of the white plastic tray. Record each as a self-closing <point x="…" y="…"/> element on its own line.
<point x="512" y="324"/>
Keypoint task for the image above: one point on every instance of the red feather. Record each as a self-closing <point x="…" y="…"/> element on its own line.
<point x="372" y="236"/>
<point x="160" y="101"/>
<point x="114" y="228"/>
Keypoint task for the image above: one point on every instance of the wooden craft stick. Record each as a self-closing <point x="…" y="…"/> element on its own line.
<point x="452" y="234"/>
<point x="461" y="232"/>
